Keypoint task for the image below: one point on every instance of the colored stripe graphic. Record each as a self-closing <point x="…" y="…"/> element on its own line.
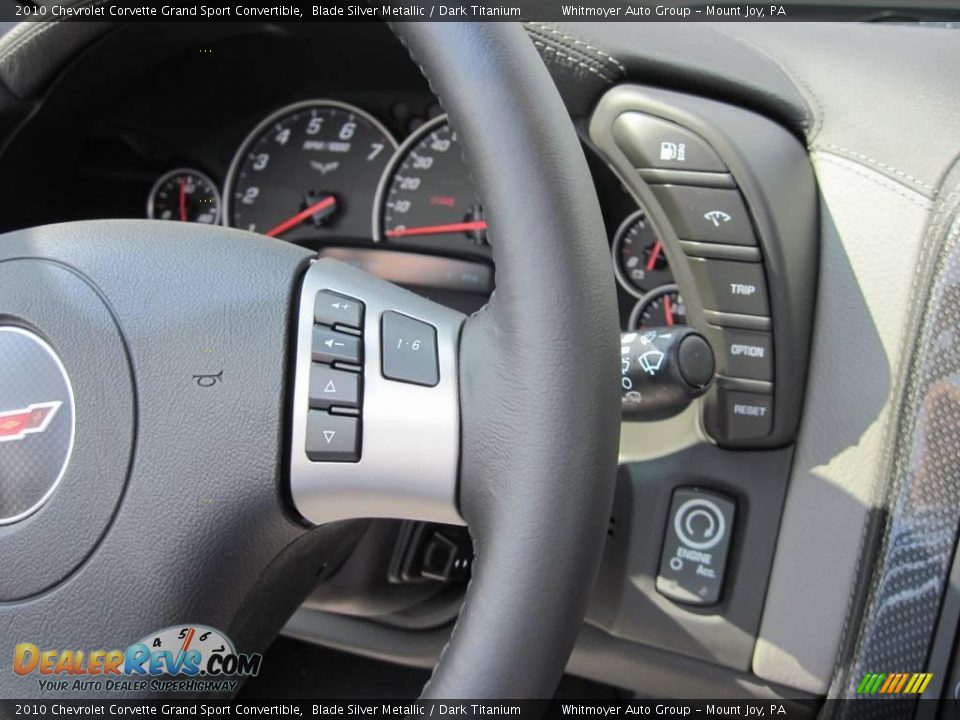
<point x="890" y="682"/>
<point x="894" y="683"/>
<point x="871" y="683"/>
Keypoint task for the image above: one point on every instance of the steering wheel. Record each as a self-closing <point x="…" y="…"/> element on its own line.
<point x="167" y="466"/>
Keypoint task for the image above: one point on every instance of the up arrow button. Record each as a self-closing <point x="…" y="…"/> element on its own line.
<point x="330" y="387"/>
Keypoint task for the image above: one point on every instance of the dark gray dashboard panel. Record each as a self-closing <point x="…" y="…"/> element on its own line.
<point x="626" y="603"/>
<point x="597" y="655"/>
<point x="772" y="170"/>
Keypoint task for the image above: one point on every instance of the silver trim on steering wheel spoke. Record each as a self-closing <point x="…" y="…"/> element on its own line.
<point x="409" y="433"/>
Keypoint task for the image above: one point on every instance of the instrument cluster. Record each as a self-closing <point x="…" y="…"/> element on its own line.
<point x="330" y="175"/>
<point x="321" y="170"/>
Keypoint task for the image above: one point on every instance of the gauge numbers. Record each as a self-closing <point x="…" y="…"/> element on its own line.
<point x="426" y="194"/>
<point x="309" y="171"/>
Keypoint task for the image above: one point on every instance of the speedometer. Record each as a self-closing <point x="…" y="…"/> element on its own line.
<point x="307" y="172"/>
<point x="426" y="194"/>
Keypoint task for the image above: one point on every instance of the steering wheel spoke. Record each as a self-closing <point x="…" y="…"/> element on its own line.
<point x="376" y="411"/>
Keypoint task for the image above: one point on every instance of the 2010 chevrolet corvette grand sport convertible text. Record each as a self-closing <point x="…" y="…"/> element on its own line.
<point x="479" y="367"/>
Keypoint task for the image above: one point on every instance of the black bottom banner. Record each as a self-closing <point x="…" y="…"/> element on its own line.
<point x="892" y="708"/>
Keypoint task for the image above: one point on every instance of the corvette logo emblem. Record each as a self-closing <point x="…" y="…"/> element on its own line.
<point x="17" y="424"/>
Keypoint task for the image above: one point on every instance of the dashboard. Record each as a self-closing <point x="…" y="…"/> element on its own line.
<point x="351" y="156"/>
<point x="329" y="138"/>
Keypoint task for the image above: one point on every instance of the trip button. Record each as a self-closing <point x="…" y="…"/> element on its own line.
<point x="745" y="415"/>
<point x="742" y="353"/>
<point x="329" y="387"/>
<point x="333" y="309"/>
<point x="332" y="438"/>
<point x="650" y="142"/>
<point x="693" y="561"/>
<point x="706" y="214"/>
<point x="731" y="287"/>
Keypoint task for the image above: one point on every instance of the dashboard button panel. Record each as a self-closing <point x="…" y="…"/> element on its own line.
<point x="737" y="219"/>
<point x="651" y="142"/>
<point x="704" y="214"/>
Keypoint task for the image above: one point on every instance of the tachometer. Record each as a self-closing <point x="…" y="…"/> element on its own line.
<point x="426" y="193"/>
<point x="307" y="172"/>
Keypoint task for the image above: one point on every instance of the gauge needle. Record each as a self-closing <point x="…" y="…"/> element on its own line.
<point x="437" y="229"/>
<point x="668" y="310"/>
<point x="183" y="199"/>
<point x="327" y="202"/>
<point x="654" y="254"/>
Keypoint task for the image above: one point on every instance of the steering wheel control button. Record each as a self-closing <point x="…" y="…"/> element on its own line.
<point x="409" y="350"/>
<point x="730" y="287"/>
<point x="649" y="142"/>
<point x="330" y="387"/>
<point x="330" y="346"/>
<point x="332" y="438"/>
<point x="335" y="310"/>
<point x="745" y="415"/>
<point x="706" y="214"/>
<point x="742" y="353"/>
<point x="693" y="561"/>
<point x="36" y="423"/>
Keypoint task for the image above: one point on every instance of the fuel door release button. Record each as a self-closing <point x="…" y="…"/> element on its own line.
<point x="650" y="142"/>
<point x="694" y="558"/>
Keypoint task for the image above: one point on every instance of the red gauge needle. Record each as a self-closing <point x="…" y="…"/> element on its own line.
<point x="654" y="254"/>
<point x="183" y="199"/>
<point x="438" y="229"/>
<point x="187" y="640"/>
<point x="328" y="201"/>
<point x="668" y="310"/>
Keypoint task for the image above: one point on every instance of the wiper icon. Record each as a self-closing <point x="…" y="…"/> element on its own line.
<point x="651" y="361"/>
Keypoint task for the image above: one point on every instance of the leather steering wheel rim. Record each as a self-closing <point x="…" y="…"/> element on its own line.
<point x="540" y="420"/>
<point x="539" y="405"/>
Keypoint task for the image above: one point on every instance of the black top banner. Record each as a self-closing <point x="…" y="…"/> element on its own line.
<point x="929" y="11"/>
<point x="489" y="708"/>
